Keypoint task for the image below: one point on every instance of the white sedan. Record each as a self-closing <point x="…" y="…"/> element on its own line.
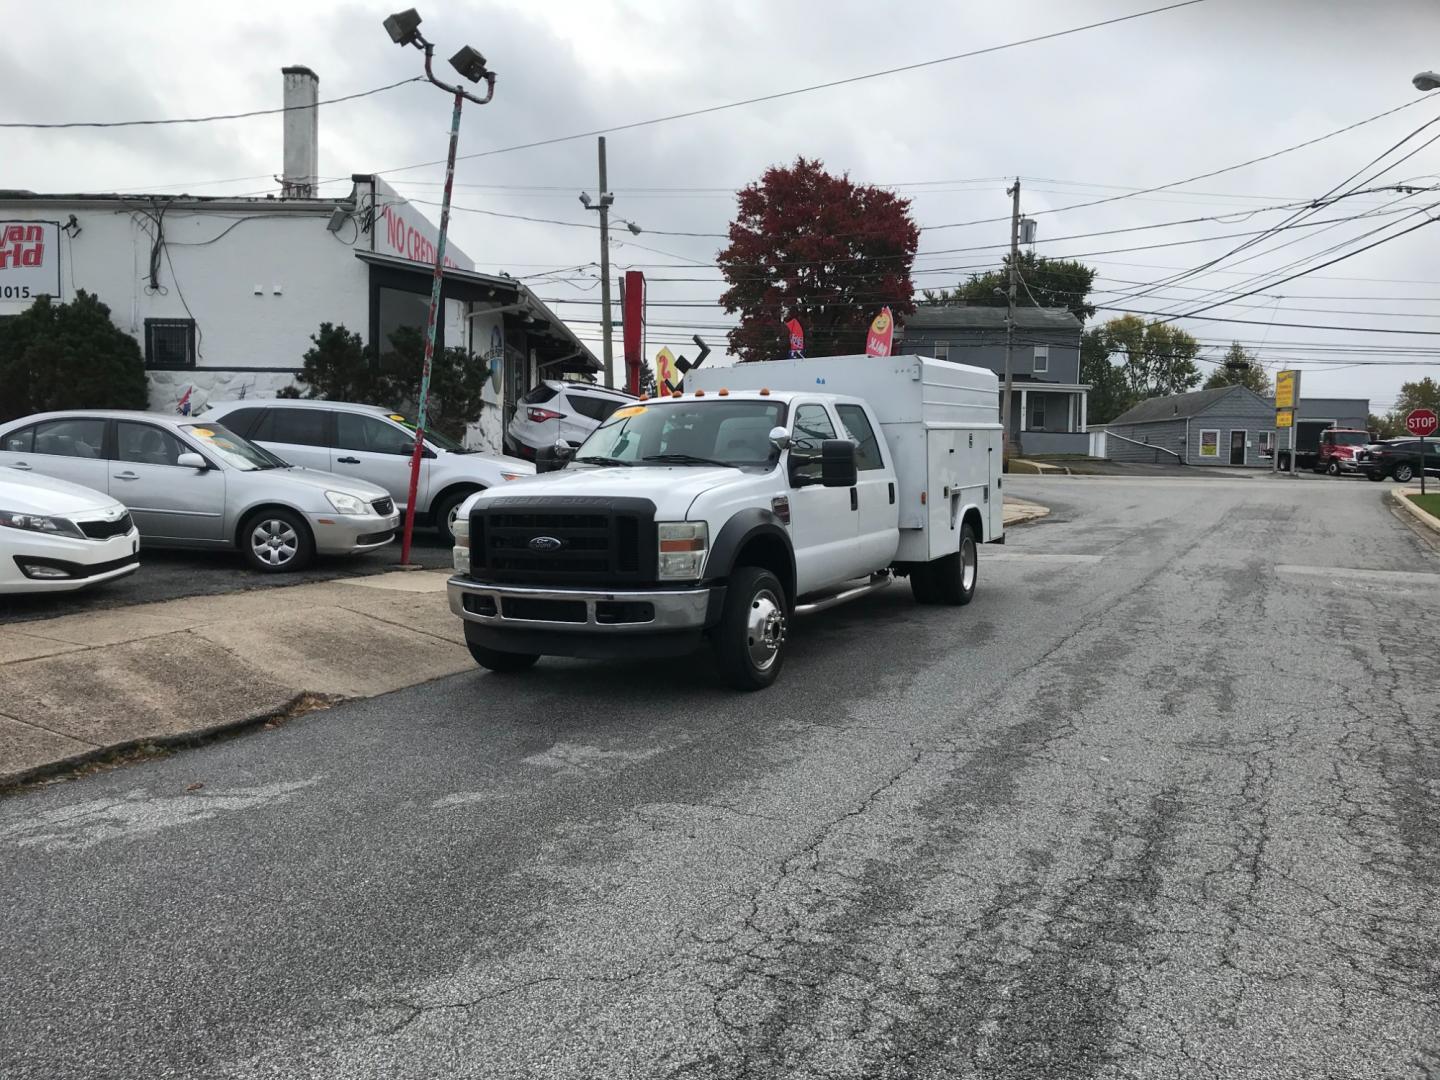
<point x="56" y="536"/>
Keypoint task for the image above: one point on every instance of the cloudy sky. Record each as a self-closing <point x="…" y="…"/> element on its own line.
<point x="1082" y="117"/>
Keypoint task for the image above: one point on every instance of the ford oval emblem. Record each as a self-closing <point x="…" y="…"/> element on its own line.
<point x="546" y="543"/>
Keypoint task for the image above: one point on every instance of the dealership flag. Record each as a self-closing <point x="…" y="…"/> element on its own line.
<point x="183" y="405"/>
<point x="882" y="333"/>
<point x="797" y="339"/>
<point x="666" y="374"/>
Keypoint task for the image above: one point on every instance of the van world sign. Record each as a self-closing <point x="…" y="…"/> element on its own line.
<point x="29" y="263"/>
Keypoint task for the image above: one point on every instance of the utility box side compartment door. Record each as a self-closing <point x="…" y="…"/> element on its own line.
<point x="959" y="477"/>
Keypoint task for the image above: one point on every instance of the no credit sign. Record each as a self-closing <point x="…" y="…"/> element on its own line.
<point x="1421" y="422"/>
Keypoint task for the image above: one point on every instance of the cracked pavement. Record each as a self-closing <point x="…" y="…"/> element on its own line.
<point x="1163" y="802"/>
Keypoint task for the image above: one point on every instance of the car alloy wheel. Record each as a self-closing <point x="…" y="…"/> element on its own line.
<point x="274" y="542"/>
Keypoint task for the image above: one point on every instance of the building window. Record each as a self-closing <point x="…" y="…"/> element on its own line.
<point x="942" y="350"/>
<point x="1037" y="413"/>
<point x="169" y="344"/>
<point x="1210" y="444"/>
<point x="1042" y="359"/>
<point x="1267" y="444"/>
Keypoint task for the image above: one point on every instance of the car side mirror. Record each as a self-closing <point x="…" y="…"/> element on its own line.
<point x="426" y="452"/>
<point x="192" y="461"/>
<point x="780" y="438"/>
<point x="837" y="463"/>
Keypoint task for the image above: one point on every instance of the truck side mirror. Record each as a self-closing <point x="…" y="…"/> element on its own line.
<point x="780" y="438"/>
<point x="837" y="463"/>
<point x="553" y="458"/>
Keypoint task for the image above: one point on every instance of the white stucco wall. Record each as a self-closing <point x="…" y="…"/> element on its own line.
<point x="213" y="264"/>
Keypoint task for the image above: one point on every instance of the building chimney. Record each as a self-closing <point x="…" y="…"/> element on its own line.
<point x="302" y="133"/>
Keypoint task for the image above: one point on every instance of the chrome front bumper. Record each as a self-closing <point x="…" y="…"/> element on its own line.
<point x="668" y="609"/>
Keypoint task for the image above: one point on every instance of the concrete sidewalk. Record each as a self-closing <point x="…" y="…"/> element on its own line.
<point x="93" y="684"/>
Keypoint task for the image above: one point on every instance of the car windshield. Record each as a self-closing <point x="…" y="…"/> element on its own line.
<point x="232" y="449"/>
<point x="444" y="442"/>
<point x="1349" y="438"/>
<point x="686" y="432"/>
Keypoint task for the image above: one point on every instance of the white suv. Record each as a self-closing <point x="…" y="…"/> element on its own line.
<point x="560" y="410"/>
<point x="370" y="443"/>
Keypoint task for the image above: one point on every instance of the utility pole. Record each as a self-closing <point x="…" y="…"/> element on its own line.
<point x="607" y="327"/>
<point x="1010" y="313"/>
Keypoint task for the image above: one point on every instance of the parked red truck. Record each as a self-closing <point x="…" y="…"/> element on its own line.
<point x="1326" y="449"/>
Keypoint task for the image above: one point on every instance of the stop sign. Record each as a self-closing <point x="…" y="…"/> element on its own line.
<point x="1421" y="422"/>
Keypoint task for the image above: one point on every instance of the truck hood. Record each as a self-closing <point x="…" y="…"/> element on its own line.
<point x="672" y="488"/>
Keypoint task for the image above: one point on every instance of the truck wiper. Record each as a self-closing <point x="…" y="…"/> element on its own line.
<point x="687" y="459"/>
<point x="595" y="459"/>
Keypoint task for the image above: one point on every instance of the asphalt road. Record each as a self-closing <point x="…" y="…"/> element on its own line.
<point x="169" y="575"/>
<point x="1163" y="802"/>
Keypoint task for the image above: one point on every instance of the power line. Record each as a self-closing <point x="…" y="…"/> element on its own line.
<point x="805" y="89"/>
<point x="208" y="119"/>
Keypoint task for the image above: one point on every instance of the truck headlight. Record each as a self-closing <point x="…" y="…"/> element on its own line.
<point x="460" y="553"/>
<point x="683" y="546"/>
<point x="345" y="504"/>
<point x="53" y="526"/>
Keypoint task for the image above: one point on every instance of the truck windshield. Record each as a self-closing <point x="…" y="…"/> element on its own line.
<point x="686" y="432"/>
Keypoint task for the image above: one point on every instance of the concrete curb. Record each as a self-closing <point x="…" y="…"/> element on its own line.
<point x="1018" y="512"/>
<point x="1399" y="495"/>
<point x="102" y="685"/>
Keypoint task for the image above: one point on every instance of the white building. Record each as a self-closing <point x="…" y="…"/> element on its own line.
<point x="223" y="294"/>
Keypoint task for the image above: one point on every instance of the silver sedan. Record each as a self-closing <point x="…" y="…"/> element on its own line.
<point x="197" y="485"/>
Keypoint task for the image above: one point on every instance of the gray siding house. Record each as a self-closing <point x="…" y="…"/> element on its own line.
<point x="1048" y="404"/>
<point x="1229" y="425"/>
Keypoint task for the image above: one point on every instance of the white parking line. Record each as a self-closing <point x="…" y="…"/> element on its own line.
<point x="1038" y="556"/>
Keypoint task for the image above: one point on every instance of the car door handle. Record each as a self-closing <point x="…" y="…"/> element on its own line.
<point x="854" y="498"/>
<point x="126" y="476"/>
<point x="347" y="461"/>
<point x="22" y="466"/>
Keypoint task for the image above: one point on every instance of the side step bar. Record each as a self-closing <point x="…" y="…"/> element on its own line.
<point x="876" y="583"/>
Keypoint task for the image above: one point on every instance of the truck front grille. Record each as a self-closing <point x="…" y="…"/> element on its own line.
<point x="570" y="541"/>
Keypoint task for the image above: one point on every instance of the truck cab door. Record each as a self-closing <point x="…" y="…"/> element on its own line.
<point x="878" y="524"/>
<point x="824" y="522"/>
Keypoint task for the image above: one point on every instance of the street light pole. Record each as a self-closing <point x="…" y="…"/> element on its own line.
<point x="403" y="28"/>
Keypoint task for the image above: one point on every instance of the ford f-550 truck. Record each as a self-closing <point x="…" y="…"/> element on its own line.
<point x="763" y="492"/>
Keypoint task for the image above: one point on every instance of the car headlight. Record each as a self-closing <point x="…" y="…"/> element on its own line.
<point x="683" y="546"/>
<point x="513" y="475"/>
<point x="346" y="504"/>
<point x="53" y="526"/>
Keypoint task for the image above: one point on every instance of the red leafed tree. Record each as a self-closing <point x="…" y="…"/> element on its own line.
<point x="816" y="247"/>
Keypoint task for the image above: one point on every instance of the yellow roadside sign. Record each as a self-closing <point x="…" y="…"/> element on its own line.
<point x="1285" y="390"/>
<point x="1284" y="418"/>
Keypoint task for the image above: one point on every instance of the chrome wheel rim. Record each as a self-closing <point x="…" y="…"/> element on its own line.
<point x="274" y="542"/>
<point x="1403" y="473"/>
<point x="969" y="564"/>
<point x="451" y="517"/>
<point x="765" y="629"/>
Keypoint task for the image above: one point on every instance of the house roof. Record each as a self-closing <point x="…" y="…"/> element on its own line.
<point x="971" y="317"/>
<point x="1179" y="406"/>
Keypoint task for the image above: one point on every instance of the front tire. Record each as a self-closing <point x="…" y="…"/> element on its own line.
<point x="749" y="642"/>
<point x="951" y="579"/>
<point x="502" y="663"/>
<point x="277" y="541"/>
<point x="1404" y="473"/>
<point x="1333" y="468"/>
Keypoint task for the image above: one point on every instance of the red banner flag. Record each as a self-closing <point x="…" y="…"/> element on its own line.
<point x="882" y="333"/>
<point x="797" y="339"/>
<point x="634" y="316"/>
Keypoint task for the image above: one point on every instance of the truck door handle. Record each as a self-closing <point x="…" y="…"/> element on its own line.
<point x="126" y="476"/>
<point x="348" y="460"/>
<point x="22" y="466"/>
<point x="854" y="498"/>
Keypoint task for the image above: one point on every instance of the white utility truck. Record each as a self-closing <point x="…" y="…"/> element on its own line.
<point x="763" y="492"/>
